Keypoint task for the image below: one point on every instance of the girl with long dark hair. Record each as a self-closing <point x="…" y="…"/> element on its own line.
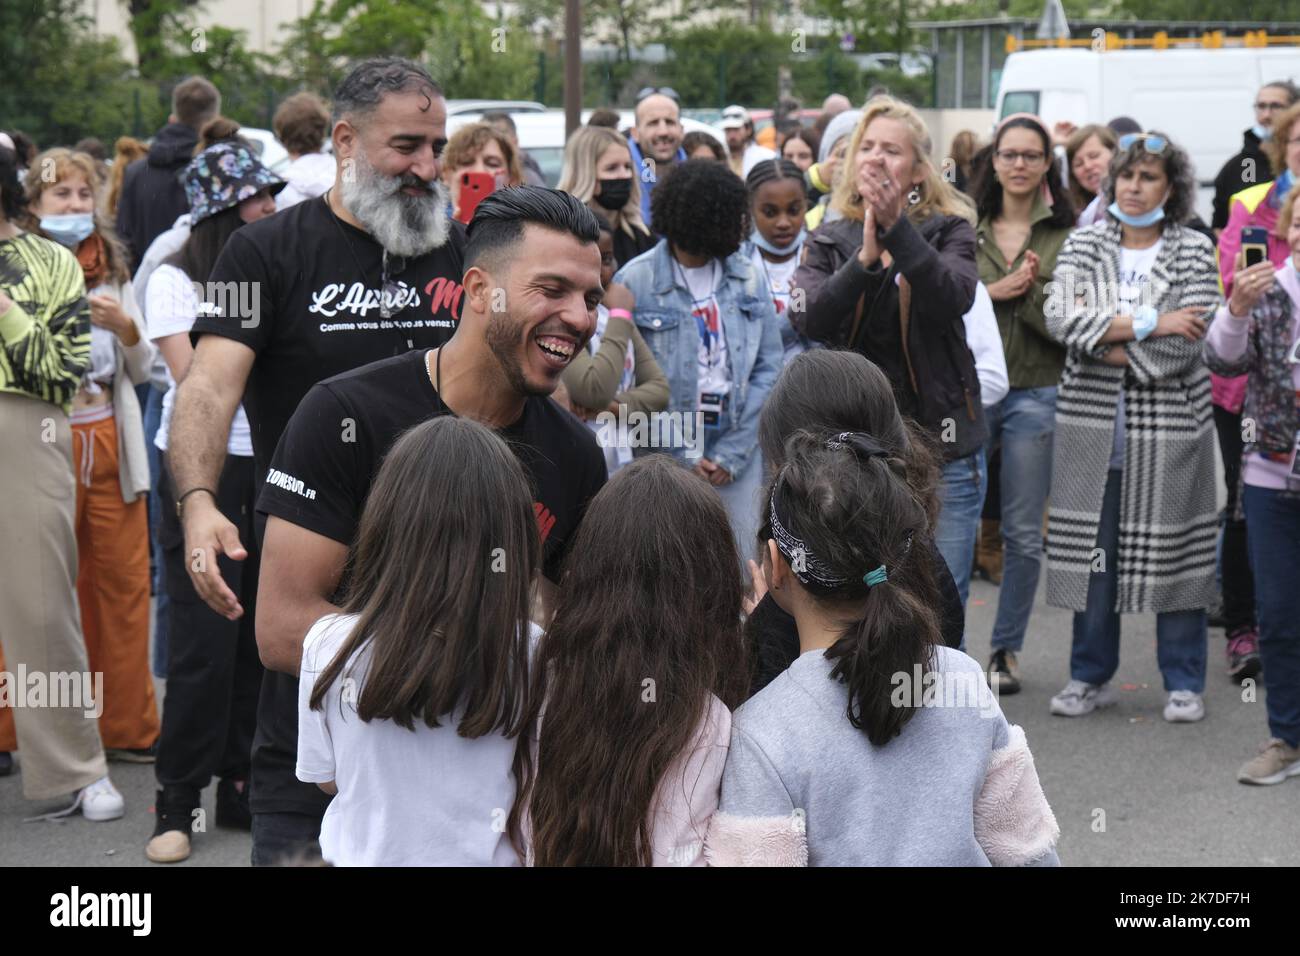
<point x="637" y="673"/>
<point x="828" y="391"/>
<point x="409" y="700"/>
<point x="878" y="746"/>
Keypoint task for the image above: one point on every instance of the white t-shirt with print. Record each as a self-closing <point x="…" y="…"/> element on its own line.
<point x="702" y="283"/>
<point x="1135" y="267"/>
<point x="172" y="305"/>
<point x="422" y="797"/>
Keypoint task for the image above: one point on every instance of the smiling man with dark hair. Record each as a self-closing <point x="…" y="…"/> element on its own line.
<point x="531" y="286"/>
<point x="370" y="270"/>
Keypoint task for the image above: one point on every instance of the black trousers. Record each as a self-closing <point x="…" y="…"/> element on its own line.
<point x="1238" y="582"/>
<point x="214" y="673"/>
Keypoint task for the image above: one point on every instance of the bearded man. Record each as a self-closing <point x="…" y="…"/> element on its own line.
<point x="370" y="270"/>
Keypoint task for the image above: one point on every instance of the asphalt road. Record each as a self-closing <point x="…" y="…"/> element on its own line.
<point x="1127" y="788"/>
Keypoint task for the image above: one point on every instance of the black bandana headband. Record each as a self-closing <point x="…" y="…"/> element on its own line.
<point x="806" y="566"/>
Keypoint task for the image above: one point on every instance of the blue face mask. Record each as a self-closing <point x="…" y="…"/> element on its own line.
<point x="1148" y="218"/>
<point x="1262" y="132"/>
<point x="757" y="239"/>
<point x="68" y="229"/>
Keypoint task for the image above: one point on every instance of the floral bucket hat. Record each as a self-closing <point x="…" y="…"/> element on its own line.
<point x="224" y="175"/>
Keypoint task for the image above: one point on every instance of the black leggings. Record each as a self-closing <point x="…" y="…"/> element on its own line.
<point x="1238" y="582"/>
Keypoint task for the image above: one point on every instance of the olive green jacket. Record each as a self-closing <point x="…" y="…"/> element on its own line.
<point x="1034" y="358"/>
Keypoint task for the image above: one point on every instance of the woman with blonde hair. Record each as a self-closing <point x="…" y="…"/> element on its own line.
<point x="598" y="170"/>
<point x="890" y="273"/>
<point x="480" y="148"/>
<point x="109" y="456"/>
<point x="127" y="150"/>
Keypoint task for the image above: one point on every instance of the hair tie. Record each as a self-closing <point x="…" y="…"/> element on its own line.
<point x="878" y="576"/>
<point x="861" y="444"/>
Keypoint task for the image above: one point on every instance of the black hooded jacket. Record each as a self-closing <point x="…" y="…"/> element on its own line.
<point x="152" y="194"/>
<point x="1247" y="168"/>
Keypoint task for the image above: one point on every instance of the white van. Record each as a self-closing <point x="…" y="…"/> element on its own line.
<point x="1201" y="98"/>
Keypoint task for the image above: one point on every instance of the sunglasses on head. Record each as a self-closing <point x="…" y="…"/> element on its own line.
<point x="1150" y="142"/>
<point x="667" y="91"/>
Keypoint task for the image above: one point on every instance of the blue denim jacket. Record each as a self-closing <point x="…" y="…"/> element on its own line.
<point x="753" y="334"/>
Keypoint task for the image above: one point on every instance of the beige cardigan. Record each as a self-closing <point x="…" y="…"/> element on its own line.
<point x="131" y="369"/>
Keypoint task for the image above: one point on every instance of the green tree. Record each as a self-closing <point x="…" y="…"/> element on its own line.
<point x="726" y="62"/>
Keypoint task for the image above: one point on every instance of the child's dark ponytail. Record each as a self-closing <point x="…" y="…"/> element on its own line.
<point x="846" y="520"/>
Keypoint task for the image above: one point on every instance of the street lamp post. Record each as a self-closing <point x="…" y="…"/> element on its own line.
<point x="572" y="65"/>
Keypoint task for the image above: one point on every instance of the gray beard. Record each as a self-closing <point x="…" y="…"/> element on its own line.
<point x="406" y="226"/>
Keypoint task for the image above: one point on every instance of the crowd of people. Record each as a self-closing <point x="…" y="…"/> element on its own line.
<point x="427" y="589"/>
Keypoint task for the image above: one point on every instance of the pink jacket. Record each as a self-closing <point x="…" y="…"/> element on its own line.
<point x="1230" y="393"/>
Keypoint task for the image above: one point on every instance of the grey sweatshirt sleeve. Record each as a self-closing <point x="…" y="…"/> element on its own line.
<point x="757" y="823"/>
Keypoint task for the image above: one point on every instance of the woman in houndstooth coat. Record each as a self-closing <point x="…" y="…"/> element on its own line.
<point x="1133" y="517"/>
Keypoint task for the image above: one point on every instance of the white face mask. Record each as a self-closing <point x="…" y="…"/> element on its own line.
<point x="70" y="228"/>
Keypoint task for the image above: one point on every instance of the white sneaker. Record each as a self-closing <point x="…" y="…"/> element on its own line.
<point x="1078" y="698"/>
<point x="1184" y="707"/>
<point x="100" y="801"/>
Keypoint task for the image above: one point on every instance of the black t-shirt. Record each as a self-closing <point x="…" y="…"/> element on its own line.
<point x="319" y="481"/>
<point x="317" y="308"/>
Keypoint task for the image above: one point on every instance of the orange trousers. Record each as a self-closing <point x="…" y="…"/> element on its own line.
<point x="113" y="591"/>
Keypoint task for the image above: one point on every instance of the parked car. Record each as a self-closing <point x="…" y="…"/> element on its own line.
<point x="458" y="107"/>
<point x="542" y="134"/>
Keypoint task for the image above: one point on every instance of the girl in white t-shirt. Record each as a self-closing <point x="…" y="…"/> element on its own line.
<point x="409" y="701"/>
<point x="637" y="673"/>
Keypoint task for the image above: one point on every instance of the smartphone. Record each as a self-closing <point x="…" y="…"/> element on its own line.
<point x="473" y="187"/>
<point x="1254" y="243"/>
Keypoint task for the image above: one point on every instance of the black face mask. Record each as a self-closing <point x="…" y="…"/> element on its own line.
<point x="614" y="193"/>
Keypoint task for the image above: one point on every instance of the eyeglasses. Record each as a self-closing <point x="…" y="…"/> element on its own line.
<point x="1270" y="107"/>
<point x="667" y="91"/>
<point x="1009" y="157"/>
<point x="1150" y="142"/>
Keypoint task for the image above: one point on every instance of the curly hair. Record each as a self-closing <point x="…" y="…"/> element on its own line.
<point x="468" y="141"/>
<point x="701" y="207"/>
<point x="1181" y="204"/>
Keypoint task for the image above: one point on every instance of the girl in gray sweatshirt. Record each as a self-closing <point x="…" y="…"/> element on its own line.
<point x="879" y="746"/>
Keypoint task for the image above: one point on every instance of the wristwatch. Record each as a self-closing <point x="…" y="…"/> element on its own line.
<point x="1144" y="321"/>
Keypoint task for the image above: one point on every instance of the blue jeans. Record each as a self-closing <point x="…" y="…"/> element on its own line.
<point x="1024" y="424"/>
<point x="1273" y="538"/>
<point x="1094" y="653"/>
<point x="740" y="497"/>
<point x="961" y="488"/>
<point x="152" y="420"/>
